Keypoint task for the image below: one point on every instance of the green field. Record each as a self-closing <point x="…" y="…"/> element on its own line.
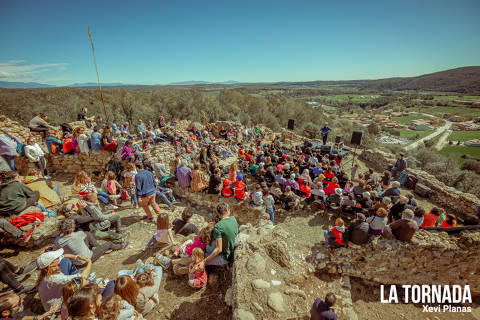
<point x="410" y="134"/>
<point x="328" y="108"/>
<point x="353" y="97"/>
<point x="457" y="110"/>
<point x="408" y="120"/>
<point x="450" y="98"/>
<point x="464" y="135"/>
<point x="458" y="151"/>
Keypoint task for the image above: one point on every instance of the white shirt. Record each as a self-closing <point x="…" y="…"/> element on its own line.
<point x="33" y="153"/>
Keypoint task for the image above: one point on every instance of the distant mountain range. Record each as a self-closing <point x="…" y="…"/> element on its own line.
<point x="465" y="80"/>
<point x="25" y="85"/>
<point x="192" y="82"/>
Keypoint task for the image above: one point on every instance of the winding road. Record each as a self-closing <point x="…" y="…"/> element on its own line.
<point x="437" y="132"/>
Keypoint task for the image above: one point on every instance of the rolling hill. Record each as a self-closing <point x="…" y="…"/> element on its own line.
<point x="465" y="80"/>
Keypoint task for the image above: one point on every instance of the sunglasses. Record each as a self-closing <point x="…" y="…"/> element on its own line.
<point x="78" y="282"/>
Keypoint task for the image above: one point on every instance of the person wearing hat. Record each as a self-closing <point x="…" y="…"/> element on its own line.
<point x="358" y="230"/>
<point x="56" y="270"/>
<point x="239" y="187"/>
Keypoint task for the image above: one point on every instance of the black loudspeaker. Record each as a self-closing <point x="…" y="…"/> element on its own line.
<point x="357" y="137"/>
<point x="291" y="124"/>
<point x="338" y="138"/>
<point x="326" y="149"/>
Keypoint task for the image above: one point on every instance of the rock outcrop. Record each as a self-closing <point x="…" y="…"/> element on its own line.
<point x="428" y="258"/>
<point x="446" y="197"/>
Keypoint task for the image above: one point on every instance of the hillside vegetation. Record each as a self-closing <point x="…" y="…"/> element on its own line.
<point x="147" y="103"/>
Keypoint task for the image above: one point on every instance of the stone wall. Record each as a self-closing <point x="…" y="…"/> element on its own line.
<point x="18" y="131"/>
<point x="72" y="163"/>
<point x="447" y="197"/>
<point x="429" y="258"/>
<point x="243" y="212"/>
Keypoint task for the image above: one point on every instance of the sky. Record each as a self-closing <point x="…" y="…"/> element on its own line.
<point x="159" y="42"/>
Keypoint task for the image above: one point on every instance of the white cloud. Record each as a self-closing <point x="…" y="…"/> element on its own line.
<point x="19" y="70"/>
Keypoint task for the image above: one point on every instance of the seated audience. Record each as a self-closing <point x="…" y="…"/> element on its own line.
<point x="404" y="229"/>
<point x="358" y="230"/>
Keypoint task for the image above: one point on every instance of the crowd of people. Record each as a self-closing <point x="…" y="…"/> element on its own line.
<point x="262" y="173"/>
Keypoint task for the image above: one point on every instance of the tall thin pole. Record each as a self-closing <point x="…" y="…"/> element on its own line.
<point x="98" y="77"/>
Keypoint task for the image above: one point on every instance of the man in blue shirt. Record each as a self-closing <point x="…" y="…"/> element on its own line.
<point x="325" y="130"/>
<point x="146" y="191"/>
<point x="324" y="310"/>
<point x="96" y="139"/>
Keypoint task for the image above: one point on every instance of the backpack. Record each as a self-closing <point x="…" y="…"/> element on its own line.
<point x="411" y="181"/>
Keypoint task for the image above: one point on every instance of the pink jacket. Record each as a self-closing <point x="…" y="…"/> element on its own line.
<point x="127" y="152"/>
<point x="196" y="244"/>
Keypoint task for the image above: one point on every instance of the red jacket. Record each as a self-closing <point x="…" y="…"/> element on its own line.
<point x="27" y="218"/>
<point x="339" y="236"/>
<point x="227" y="191"/>
<point x="239" y="187"/>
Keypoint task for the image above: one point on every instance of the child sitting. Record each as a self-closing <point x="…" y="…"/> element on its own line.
<point x="164" y="232"/>
<point x="201" y="241"/>
<point x="182" y="226"/>
<point x="186" y="249"/>
<point x="197" y="275"/>
<point x="110" y="185"/>
<point x="257" y="196"/>
<point x="338" y="233"/>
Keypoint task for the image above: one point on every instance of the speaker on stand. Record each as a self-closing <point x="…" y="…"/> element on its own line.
<point x="291" y="124"/>
<point x="356" y="141"/>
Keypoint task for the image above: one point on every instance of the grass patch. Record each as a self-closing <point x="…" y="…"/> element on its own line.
<point x="458" y="151"/>
<point x="328" y="108"/>
<point x="464" y="135"/>
<point x="412" y="135"/>
<point x="450" y="98"/>
<point x="408" y="120"/>
<point x="463" y="111"/>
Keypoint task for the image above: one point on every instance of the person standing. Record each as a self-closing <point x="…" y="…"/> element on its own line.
<point x="146" y="191"/>
<point x="325" y="131"/>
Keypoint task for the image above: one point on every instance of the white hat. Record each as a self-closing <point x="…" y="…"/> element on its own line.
<point x="45" y="259"/>
<point x="366" y="194"/>
<point x="338" y="191"/>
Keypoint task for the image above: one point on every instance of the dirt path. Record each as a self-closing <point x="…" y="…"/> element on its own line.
<point x="443" y="141"/>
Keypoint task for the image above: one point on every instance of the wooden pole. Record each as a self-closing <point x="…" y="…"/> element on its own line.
<point x="98" y="78"/>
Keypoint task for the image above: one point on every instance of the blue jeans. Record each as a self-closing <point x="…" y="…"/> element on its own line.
<point x="67" y="267"/>
<point x="133" y="199"/>
<point x="102" y="196"/>
<point x="11" y="162"/>
<point x="164" y="198"/>
<point x="271" y="212"/>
